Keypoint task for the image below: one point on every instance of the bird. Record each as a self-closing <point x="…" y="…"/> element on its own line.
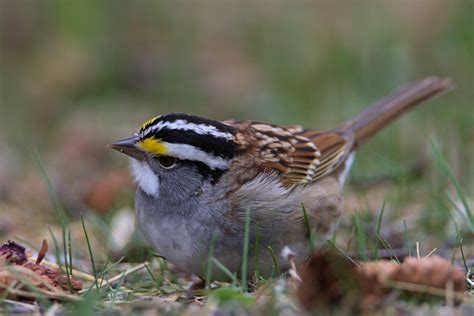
<point x="199" y="181"/>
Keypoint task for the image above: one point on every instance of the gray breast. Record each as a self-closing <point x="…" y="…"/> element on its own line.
<point x="180" y="232"/>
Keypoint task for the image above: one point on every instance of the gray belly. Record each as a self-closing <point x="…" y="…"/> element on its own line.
<point x="183" y="233"/>
<point x="186" y="244"/>
<point x="176" y="240"/>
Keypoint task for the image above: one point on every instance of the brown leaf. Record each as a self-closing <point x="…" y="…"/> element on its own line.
<point x="329" y="279"/>
<point x="13" y="253"/>
<point x="16" y="268"/>
<point x="42" y="252"/>
<point x="434" y="272"/>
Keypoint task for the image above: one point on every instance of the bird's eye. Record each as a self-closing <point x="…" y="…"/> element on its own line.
<point x="167" y="162"/>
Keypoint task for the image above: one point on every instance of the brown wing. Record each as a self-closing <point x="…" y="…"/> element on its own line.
<point x="301" y="156"/>
<point x="334" y="146"/>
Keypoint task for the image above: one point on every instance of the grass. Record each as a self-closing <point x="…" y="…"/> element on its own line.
<point x="379" y="227"/>
<point x="360" y="238"/>
<point x="407" y="240"/>
<point x="90" y="250"/>
<point x="103" y="292"/>
<point x="257" y="251"/>
<point x="56" y="246"/>
<point x="231" y="275"/>
<point x="444" y="166"/>
<point x="62" y="217"/>
<point x="209" y="261"/>
<point x="315" y="64"/>
<point x="310" y="232"/>
<point x="387" y="246"/>
<point x="245" y="252"/>
<point x="276" y="266"/>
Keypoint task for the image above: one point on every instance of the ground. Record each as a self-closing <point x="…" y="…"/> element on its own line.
<point x="76" y="76"/>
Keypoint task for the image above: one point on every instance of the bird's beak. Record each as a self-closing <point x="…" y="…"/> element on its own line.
<point x="128" y="147"/>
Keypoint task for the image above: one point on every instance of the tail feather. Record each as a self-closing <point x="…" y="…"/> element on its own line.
<point x="383" y="112"/>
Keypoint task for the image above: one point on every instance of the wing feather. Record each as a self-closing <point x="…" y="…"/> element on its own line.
<point x="301" y="156"/>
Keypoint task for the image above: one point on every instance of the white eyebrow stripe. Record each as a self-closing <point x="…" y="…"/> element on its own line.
<point x="184" y="125"/>
<point x="189" y="152"/>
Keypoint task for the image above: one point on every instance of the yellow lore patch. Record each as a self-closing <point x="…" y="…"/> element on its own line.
<point x="153" y="145"/>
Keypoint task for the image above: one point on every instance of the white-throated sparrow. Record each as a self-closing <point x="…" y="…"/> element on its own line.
<point x="198" y="177"/>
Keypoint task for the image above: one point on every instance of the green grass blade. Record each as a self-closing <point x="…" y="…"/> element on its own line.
<point x="151" y="274"/>
<point x="338" y="249"/>
<point x="103" y="271"/>
<point x="462" y="255"/>
<point x="449" y="173"/>
<point x="276" y="266"/>
<point x="360" y="238"/>
<point x="209" y="262"/>
<point x="309" y="231"/>
<point x="388" y="247"/>
<point x="377" y="231"/>
<point x="107" y="267"/>
<point x="89" y="247"/>
<point x="60" y="212"/>
<point x="66" y="263"/>
<point x="56" y="249"/>
<point x="161" y="277"/>
<point x="87" y="306"/>
<point x="245" y="254"/>
<point x="456" y="207"/>
<point x="58" y="207"/>
<point x="224" y="269"/>
<point x="407" y="240"/>
<point x="257" y="251"/>
<point x="69" y="248"/>
<point x="158" y="281"/>
<point x="58" y="256"/>
<point x="231" y="296"/>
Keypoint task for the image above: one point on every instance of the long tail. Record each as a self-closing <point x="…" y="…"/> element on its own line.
<point x="381" y="113"/>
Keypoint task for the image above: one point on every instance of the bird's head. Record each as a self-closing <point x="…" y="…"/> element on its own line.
<point x="179" y="152"/>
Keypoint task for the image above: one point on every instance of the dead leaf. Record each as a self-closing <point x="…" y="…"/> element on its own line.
<point x="15" y="268"/>
<point x="42" y="252"/>
<point x="433" y="272"/>
<point x="329" y="279"/>
<point x="13" y="253"/>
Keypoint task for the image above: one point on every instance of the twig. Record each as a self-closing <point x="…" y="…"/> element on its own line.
<point x="117" y="277"/>
<point x="399" y="253"/>
<point x="431" y="252"/>
<point x="289" y="255"/>
<point x="29" y="307"/>
<point x="424" y="289"/>
<point x="20" y="272"/>
<point x="48" y="294"/>
<point x="75" y="273"/>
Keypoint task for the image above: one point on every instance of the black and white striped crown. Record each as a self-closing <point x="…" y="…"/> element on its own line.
<point x="190" y="137"/>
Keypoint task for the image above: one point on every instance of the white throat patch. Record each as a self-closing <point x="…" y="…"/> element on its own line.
<point x="145" y="178"/>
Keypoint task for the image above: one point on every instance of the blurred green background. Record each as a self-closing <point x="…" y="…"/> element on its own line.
<point x="77" y="75"/>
